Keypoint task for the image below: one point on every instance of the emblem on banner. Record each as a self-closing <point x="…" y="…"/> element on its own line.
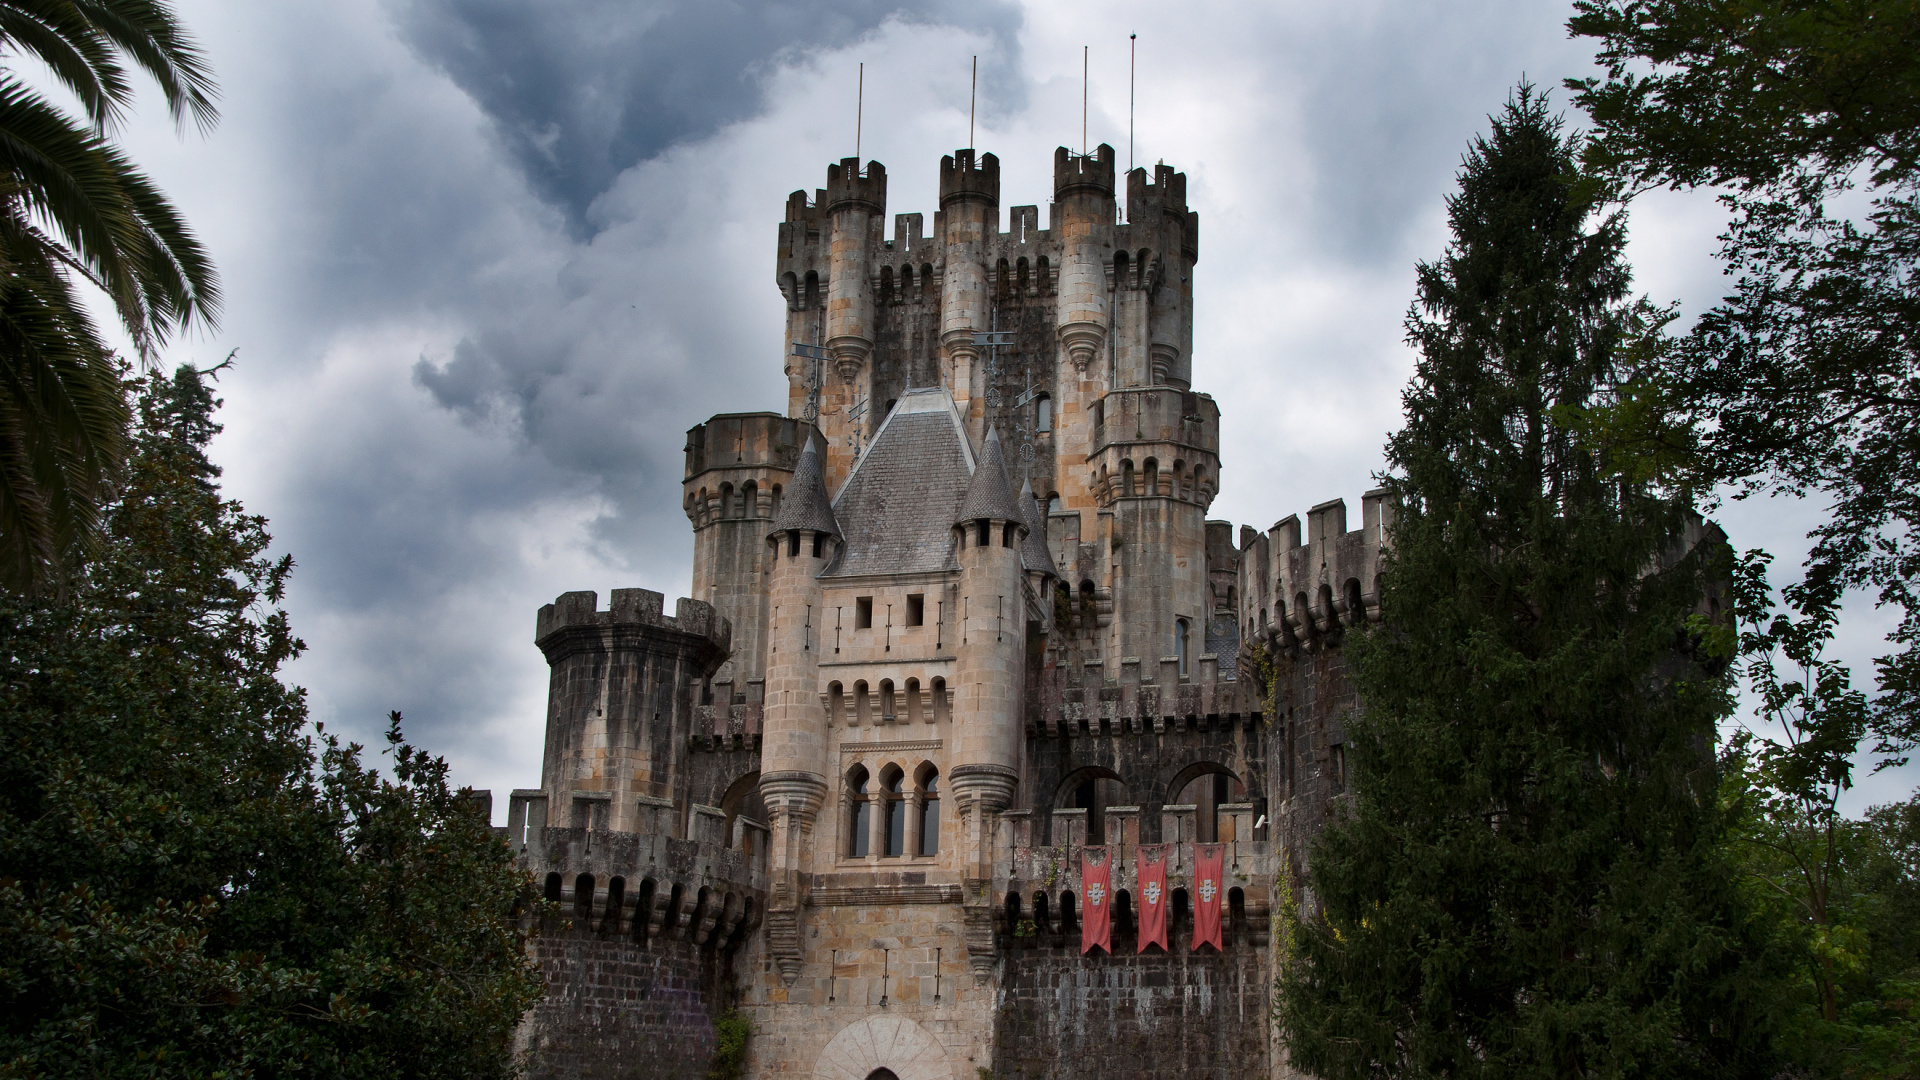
<point x="1153" y="892"/>
<point x="1096" y="892"/>
<point x="1208" y="890"/>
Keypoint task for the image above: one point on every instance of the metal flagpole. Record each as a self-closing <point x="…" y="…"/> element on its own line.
<point x="1133" y="48"/>
<point x="973" y="94"/>
<point x="1083" y="101"/>
<point x="859" y="109"/>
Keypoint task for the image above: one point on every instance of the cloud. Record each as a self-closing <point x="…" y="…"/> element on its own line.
<point x="583" y="90"/>
<point x="488" y="261"/>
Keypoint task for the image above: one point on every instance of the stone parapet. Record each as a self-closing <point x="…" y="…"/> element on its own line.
<point x="573" y="620"/>
<point x="1067" y="702"/>
<point x="1300" y="588"/>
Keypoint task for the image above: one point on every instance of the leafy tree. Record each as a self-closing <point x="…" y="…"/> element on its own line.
<point x="1806" y="379"/>
<point x="189" y="885"/>
<point x="1531" y="877"/>
<point x="72" y="206"/>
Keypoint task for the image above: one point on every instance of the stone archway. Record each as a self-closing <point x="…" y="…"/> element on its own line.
<point x="893" y="1043"/>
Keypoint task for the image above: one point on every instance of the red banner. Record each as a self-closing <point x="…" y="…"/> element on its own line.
<point x="1152" y="865"/>
<point x="1096" y="894"/>
<point x="1209" y="864"/>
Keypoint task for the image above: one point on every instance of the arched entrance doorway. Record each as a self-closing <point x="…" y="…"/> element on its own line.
<point x="883" y="1048"/>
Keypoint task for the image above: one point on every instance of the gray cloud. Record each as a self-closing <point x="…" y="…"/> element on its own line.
<point x="585" y="89"/>
<point x="488" y="261"/>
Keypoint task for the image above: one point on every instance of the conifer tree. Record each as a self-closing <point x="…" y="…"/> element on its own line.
<point x="1530" y="878"/>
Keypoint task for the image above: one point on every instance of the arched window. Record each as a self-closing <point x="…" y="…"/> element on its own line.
<point x="928" y="790"/>
<point x="1054" y="505"/>
<point x="894" y="834"/>
<point x="836" y="703"/>
<point x="906" y="281"/>
<point x="1180" y="635"/>
<point x="862" y="707"/>
<point x="1043" y="413"/>
<point x="913" y="701"/>
<point x="939" y="699"/>
<point x="859" y="813"/>
<point x="886" y="701"/>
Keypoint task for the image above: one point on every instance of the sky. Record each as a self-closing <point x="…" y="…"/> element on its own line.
<point x="487" y="260"/>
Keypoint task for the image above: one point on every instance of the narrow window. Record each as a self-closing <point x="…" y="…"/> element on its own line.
<point x="896" y="831"/>
<point x="986" y="533"/>
<point x="1180" y="644"/>
<point x="793" y="543"/>
<point x="819" y="541"/>
<point x="916" y="609"/>
<point x="863" y="613"/>
<point x="930" y="815"/>
<point x="1006" y="535"/>
<point x="860" y="814"/>
<point x="1043" y="413"/>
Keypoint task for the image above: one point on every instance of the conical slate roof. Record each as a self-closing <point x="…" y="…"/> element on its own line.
<point x="988" y="493"/>
<point x="1033" y="550"/>
<point x="806" y="505"/>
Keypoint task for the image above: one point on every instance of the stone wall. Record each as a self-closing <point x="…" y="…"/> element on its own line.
<point x="615" y="1008"/>
<point x="1202" y="1016"/>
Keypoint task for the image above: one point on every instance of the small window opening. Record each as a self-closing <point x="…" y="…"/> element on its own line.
<point x="819" y="542"/>
<point x="986" y="533"/>
<point x="916" y="609"/>
<point x="1043" y="413"/>
<point x="793" y="543"/>
<point x="1006" y="535"/>
<point x="863" y="613"/>
<point x="1180" y="644"/>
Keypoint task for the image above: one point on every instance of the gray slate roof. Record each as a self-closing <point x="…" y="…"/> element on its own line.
<point x="805" y="505"/>
<point x="988" y="494"/>
<point x="1033" y="550"/>
<point x="900" y="502"/>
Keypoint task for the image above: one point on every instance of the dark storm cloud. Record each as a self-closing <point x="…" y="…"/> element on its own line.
<point x="584" y="89"/>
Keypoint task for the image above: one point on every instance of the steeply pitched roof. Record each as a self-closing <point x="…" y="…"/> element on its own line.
<point x="1033" y="550"/>
<point x="805" y="505"/>
<point x="988" y="494"/>
<point x="898" y="505"/>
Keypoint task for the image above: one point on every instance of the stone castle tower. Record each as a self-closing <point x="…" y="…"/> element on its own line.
<point x="958" y="613"/>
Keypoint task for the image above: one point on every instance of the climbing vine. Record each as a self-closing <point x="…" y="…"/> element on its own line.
<point x="731" y="1032"/>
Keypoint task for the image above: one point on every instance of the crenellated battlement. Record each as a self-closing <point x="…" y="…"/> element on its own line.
<point x="649" y="885"/>
<point x="576" y="613"/>
<point x="963" y="177"/>
<point x="1083" y="174"/>
<point x="1166" y="193"/>
<point x="1300" y="587"/>
<point x="1142" y="698"/>
<point x="850" y="187"/>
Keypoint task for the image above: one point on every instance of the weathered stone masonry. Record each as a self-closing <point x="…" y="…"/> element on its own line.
<point x="957" y="614"/>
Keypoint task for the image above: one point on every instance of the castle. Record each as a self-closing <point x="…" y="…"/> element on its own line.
<point x="959" y="614"/>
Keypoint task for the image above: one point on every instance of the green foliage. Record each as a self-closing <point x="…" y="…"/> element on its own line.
<point x="191" y="886"/>
<point x="1802" y="380"/>
<point x="731" y="1032"/>
<point x="1531" y="877"/>
<point x="72" y="205"/>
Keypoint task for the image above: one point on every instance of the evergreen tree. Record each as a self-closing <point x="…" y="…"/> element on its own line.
<point x="1531" y="876"/>
<point x="189" y="885"/>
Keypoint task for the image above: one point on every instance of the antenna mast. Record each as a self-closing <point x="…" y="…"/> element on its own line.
<point x="973" y="93"/>
<point x="859" y="109"/>
<point x="1133" y="48"/>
